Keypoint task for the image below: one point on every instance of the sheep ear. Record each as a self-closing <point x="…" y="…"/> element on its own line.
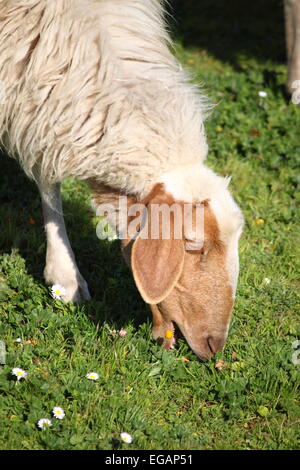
<point x="156" y="266"/>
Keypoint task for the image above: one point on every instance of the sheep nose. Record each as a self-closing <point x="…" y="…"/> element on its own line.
<point x="215" y="343"/>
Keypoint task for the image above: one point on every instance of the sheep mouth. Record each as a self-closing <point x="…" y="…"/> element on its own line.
<point x="172" y="343"/>
<point x="177" y="332"/>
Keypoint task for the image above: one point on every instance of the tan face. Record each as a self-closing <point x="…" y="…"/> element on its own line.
<point x="191" y="289"/>
<point x="200" y="303"/>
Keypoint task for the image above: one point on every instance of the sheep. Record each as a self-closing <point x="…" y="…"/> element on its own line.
<point x="92" y="91"/>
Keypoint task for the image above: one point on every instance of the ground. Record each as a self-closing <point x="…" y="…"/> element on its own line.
<point x="247" y="397"/>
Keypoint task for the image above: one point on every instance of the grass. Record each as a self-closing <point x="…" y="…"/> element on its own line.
<point x="166" y="400"/>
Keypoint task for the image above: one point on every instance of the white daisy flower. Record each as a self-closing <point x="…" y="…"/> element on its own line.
<point x="92" y="376"/>
<point x="126" y="437"/>
<point x="262" y="94"/>
<point x="44" y="423"/>
<point x="19" y="373"/>
<point x="58" y="291"/>
<point x="18" y="340"/>
<point x="267" y="280"/>
<point x="58" y="412"/>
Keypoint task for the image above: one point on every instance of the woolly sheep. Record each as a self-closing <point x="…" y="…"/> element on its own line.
<point x="92" y="91"/>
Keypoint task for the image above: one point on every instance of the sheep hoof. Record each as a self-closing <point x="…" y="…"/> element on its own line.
<point x="82" y="292"/>
<point x="72" y="290"/>
<point x="76" y="293"/>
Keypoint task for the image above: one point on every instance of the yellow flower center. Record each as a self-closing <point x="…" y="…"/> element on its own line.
<point x="169" y="334"/>
<point x="259" y="221"/>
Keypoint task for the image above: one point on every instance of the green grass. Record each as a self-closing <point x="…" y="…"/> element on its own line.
<point x="161" y="399"/>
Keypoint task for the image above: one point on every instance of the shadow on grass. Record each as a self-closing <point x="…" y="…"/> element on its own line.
<point x="115" y="297"/>
<point x="230" y="28"/>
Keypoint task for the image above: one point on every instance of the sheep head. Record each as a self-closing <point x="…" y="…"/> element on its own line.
<point x="188" y="273"/>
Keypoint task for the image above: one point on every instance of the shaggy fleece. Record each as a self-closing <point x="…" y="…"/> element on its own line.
<point x="93" y="91"/>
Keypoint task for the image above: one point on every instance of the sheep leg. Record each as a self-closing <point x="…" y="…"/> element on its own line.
<point x="60" y="266"/>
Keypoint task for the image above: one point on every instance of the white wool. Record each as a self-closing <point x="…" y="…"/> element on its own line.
<point x="193" y="182"/>
<point x="196" y="183"/>
<point x="92" y="91"/>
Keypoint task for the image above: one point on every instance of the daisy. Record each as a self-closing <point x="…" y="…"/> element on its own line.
<point x="267" y="280"/>
<point x="18" y="340"/>
<point x="122" y="333"/>
<point x="126" y="437"/>
<point x="58" y="291"/>
<point x="262" y="94"/>
<point x="58" y="412"/>
<point x="92" y="376"/>
<point x="19" y="373"/>
<point x="44" y="423"/>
